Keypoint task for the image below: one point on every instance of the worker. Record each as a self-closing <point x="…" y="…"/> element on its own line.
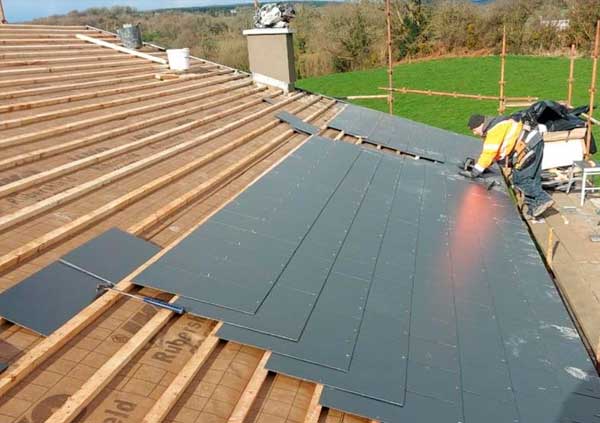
<point x="520" y="146"/>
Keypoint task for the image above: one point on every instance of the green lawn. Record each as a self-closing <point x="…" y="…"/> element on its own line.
<point x="543" y="77"/>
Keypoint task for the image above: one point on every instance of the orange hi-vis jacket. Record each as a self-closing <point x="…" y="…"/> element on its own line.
<point x="499" y="142"/>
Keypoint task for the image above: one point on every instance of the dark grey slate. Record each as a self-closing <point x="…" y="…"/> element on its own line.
<point x="412" y="294"/>
<point x="112" y="255"/>
<point x="405" y="135"/>
<point x="3" y="367"/>
<point x="296" y="123"/>
<point x="49" y="298"/>
<point x="418" y="408"/>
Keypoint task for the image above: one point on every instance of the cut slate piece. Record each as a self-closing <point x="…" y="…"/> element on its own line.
<point x="405" y="135"/>
<point x="417" y="409"/>
<point x="3" y="367"/>
<point x="49" y="298"/>
<point x="296" y="123"/>
<point x="250" y="243"/>
<point x="112" y="255"/>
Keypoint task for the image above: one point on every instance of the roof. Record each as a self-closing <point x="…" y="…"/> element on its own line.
<point x="80" y="119"/>
<point x="474" y="323"/>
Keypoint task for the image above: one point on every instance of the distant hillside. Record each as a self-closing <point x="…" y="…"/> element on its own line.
<point x="345" y="36"/>
<point x="221" y="7"/>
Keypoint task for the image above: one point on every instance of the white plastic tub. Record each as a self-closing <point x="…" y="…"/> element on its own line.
<point x="179" y="59"/>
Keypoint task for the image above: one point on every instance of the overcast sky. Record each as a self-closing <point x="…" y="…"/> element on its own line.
<point x="24" y="10"/>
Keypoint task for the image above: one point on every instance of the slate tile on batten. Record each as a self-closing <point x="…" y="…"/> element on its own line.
<point x="434" y="353"/>
<point x="433" y="382"/>
<point x="417" y="408"/>
<point x="479" y="409"/>
<point x="489" y="380"/>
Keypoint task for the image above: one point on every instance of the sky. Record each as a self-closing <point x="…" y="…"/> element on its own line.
<point x="24" y="10"/>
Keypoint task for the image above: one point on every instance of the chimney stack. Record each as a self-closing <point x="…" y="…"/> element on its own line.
<point x="2" y="15"/>
<point x="271" y="56"/>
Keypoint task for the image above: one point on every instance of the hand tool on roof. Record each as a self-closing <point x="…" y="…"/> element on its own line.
<point x="467" y="166"/>
<point x="105" y="285"/>
<point x="148" y="300"/>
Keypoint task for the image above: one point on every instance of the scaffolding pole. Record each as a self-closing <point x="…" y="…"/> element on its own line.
<point x="502" y="82"/>
<point x="571" y="79"/>
<point x="588" y="139"/>
<point x="390" y="71"/>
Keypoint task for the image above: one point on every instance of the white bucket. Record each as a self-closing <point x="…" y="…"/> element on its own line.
<point x="179" y="59"/>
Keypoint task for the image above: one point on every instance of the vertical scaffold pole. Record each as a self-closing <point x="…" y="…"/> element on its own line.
<point x="588" y="138"/>
<point x="390" y="70"/>
<point x="571" y="79"/>
<point x="502" y="82"/>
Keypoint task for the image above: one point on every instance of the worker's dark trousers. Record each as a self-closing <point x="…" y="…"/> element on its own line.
<point x="528" y="180"/>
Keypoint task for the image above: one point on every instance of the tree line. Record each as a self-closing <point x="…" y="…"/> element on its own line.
<point x="340" y="37"/>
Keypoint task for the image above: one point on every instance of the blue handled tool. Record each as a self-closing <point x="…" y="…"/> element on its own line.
<point x="148" y="300"/>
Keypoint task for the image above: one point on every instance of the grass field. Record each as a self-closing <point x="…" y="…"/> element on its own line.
<point x="543" y="77"/>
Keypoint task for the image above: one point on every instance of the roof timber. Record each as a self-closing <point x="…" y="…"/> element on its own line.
<point x="95" y="94"/>
<point x="14" y="123"/>
<point x="52" y="344"/>
<point x="248" y="150"/>
<point x="86" y="123"/>
<point x="135" y="68"/>
<point x="125" y="148"/>
<point x="80" y="85"/>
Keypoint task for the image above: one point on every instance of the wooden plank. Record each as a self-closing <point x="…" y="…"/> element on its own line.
<point x="502" y="82"/>
<point x="82" y="66"/>
<point x="41" y="35"/>
<point x="390" y="67"/>
<point x="224" y="175"/>
<point x="455" y="94"/>
<point x="55" y="53"/>
<point x="183" y="379"/>
<point x="96" y="94"/>
<point x="314" y="407"/>
<point x="45" y="30"/>
<point x="365" y="97"/>
<point x="48" y="346"/>
<point x="48" y="61"/>
<point x="244" y="404"/>
<point x="99" y="380"/>
<point x="44" y="27"/>
<point x="26" y="213"/>
<point x="595" y="55"/>
<point x="40" y="47"/>
<point x="72" y="76"/>
<point x="77" y="86"/>
<point x="73" y="111"/>
<point x="122" y="49"/>
<point x="93" y="159"/>
<point x="37" y="246"/>
<point x="86" y="123"/>
<point x="53" y="150"/>
<point x="63" y="41"/>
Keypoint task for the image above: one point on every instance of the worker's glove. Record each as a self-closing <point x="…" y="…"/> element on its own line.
<point x="471" y="174"/>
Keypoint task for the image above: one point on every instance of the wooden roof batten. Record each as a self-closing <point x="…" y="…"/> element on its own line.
<point x="229" y="126"/>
